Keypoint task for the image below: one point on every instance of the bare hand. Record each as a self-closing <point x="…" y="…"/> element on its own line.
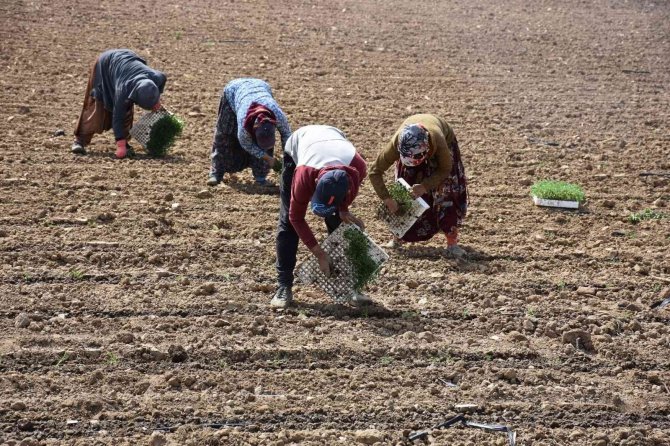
<point x="348" y="217"/>
<point x="418" y="190"/>
<point x="392" y="206"/>
<point x="324" y="264"/>
<point x="270" y="160"/>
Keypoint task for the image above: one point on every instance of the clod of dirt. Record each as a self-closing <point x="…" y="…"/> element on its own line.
<point x="22" y="321"/>
<point x="517" y="337"/>
<point x="529" y="325"/>
<point x="18" y="405"/>
<point x="105" y="217"/>
<point x="368" y="436"/>
<point x="174" y="382"/>
<point x="609" y="204"/>
<point x="125" y="337"/>
<point x="426" y="336"/>
<point x="204" y="194"/>
<point x="157" y="439"/>
<point x="206" y="289"/>
<point x="509" y="375"/>
<point x="177" y="353"/>
<point x="578" y="338"/>
<point x="23" y="109"/>
<point x="412" y="284"/>
<point x="642" y="270"/>
<point x="586" y="291"/>
<point x="3" y="233"/>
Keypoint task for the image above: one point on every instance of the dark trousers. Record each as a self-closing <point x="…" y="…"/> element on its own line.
<point x="287" y="238"/>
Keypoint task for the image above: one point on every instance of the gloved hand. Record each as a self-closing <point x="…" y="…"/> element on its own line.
<point x="157" y="107"/>
<point x="121" y="149"/>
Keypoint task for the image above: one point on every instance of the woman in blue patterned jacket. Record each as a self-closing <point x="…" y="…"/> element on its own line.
<point x="245" y="130"/>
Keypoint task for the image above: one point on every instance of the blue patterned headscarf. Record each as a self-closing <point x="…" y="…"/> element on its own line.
<point x="413" y="145"/>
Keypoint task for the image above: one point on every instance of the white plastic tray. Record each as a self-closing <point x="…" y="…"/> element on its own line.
<point x="555" y="203"/>
<point x="340" y="285"/>
<point x="400" y="224"/>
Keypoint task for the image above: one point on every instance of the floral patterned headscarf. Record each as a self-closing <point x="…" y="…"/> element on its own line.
<point x="413" y="145"/>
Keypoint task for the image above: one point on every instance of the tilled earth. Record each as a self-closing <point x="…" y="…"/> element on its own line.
<point x="134" y="302"/>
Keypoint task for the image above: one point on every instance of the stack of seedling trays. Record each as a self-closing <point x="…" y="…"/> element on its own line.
<point x="409" y="209"/>
<point x="156" y="131"/>
<point x="346" y="278"/>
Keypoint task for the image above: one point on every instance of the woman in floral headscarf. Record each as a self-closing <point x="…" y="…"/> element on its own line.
<point x="426" y="155"/>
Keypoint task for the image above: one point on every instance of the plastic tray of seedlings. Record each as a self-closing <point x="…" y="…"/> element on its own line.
<point x="345" y="277"/>
<point x="409" y="213"/>
<point x="166" y="128"/>
<point x="557" y="194"/>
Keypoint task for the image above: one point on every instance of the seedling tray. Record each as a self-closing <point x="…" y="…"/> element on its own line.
<point x="142" y="128"/>
<point x="555" y="203"/>
<point x="400" y="224"/>
<point x="340" y="285"/>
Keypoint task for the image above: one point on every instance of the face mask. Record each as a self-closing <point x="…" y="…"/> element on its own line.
<point x="413" y="160"/>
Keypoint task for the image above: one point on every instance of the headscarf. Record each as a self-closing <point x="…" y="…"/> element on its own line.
<point x="413" y="145"/>
<point x="145" y="94"/>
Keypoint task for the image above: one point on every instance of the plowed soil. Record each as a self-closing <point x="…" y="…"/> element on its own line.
<point x="134" y="306"/>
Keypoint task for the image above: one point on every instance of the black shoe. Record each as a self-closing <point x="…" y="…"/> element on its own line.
<point x="282" y="298"/>
<point x="78" y="148"/>
<point x="130" y="152"/>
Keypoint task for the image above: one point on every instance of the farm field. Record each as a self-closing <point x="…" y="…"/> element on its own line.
<point x="134" y="298"/>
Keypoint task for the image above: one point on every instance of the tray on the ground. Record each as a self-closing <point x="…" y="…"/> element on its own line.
<point x="141" y="131"/>
<point x="340" y="285"/>
<point x="400" y="224"/>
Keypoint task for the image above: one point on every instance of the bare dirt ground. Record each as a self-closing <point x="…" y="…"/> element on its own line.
<point x="131" y="302"/>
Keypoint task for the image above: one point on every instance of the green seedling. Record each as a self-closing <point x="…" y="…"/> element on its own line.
<point x="178" y="35"/>
<point x="647" y="214"/>
<point x="76" y="274"/>
<point x="530" y="311"/>
<point x="223" y="363"/>
<point x="386" y="360"/>
<point x="442" y="358"/>
<point x="163" y="135"/>
<point x="112" y="358"/>
<point x="365" y="268"/>
<point x="64" y="357"/>
<point x="557" y="190"/>
<point x="402" y="196"/>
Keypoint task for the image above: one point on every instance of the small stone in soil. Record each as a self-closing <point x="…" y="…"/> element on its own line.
<point x="22" y="321"/>
<point x="586" y="291"/>
<point x="59" y="132"/>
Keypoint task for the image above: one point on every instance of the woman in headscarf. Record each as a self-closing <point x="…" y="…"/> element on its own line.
<point x="119" y="79"/>
<point x="426" y="155"/>
<point x="245" y="130"/>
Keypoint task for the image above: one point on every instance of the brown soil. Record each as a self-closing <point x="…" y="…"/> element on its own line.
<point x="115" y="284"/>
